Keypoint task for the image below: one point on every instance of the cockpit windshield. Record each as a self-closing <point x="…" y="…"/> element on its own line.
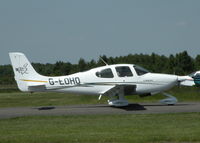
<point x="140" y="70"/>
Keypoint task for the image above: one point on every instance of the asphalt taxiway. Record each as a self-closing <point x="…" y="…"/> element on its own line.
<point x="140" y="108"/>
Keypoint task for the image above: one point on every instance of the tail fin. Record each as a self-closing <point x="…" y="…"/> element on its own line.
<point x="196" y="78"/>
<point x="25" y="74"/>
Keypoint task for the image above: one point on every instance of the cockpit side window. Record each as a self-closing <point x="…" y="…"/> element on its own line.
<point x="124" y="71"/>
<point x="106" y="73"/>
<point x="140" y="71"/>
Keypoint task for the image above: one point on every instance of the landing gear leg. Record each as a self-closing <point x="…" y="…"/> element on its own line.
<point x="170" y="100"/>
<point x="117" y="98"/>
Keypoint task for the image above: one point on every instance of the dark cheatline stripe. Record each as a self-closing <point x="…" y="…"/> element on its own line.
<point x="121" y="83"/>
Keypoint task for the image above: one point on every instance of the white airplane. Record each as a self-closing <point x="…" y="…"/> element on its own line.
<point x="114" y="81"/>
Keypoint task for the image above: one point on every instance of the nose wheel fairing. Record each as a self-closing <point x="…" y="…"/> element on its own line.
<point x="170" y="100"/>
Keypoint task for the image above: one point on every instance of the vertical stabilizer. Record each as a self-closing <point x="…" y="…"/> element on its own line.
<point x="25" y="74"/>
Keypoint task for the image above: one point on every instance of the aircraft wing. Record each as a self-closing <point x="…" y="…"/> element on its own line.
<point x="117" y="92"/>
<point x="124" y="89"/>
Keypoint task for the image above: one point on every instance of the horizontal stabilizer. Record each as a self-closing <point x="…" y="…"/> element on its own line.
<point x="186" y="81"/>
<point x="190" y="80"/>
<point x="36" y="88"/>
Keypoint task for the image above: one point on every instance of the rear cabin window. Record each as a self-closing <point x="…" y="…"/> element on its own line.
<point x="124" y="71"/>
<point x="106" y="73"/>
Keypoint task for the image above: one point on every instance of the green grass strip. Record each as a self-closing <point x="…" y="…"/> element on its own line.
<point x="159" y="128"/>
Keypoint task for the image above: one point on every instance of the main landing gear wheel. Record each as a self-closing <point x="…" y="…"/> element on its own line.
<point x="118" y="102"/>
<point x="117" y="98"/>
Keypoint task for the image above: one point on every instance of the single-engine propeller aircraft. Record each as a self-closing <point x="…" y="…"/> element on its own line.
<point x="114" y="81"/>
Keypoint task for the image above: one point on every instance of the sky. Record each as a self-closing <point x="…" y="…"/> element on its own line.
<point x="67" y="30"/>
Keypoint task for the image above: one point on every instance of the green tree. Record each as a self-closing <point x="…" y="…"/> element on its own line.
<point x="197" y="62"/>
<point x="82" y="65"/>
<point x="184" y="63"/>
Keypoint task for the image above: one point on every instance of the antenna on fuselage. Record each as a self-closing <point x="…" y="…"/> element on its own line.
<point x="103" y="61"/>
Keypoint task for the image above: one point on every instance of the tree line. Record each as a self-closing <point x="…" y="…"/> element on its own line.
<point x="180" y="64"/>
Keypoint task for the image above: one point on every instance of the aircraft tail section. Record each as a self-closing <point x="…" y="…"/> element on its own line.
<point x="196" y="78"/>
<point x="190" y="80"/>
<point x="25" y="75"/>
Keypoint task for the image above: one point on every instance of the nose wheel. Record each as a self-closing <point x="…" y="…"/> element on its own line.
<point x="170" y="100"/>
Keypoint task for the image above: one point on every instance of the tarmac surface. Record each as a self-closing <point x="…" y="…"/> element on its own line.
<point x="142" y="108"/>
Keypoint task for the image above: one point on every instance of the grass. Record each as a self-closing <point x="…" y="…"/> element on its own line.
<point x="149" y="128"/>
<point x="17" y="98"/>
<point x="8" y="88"/>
